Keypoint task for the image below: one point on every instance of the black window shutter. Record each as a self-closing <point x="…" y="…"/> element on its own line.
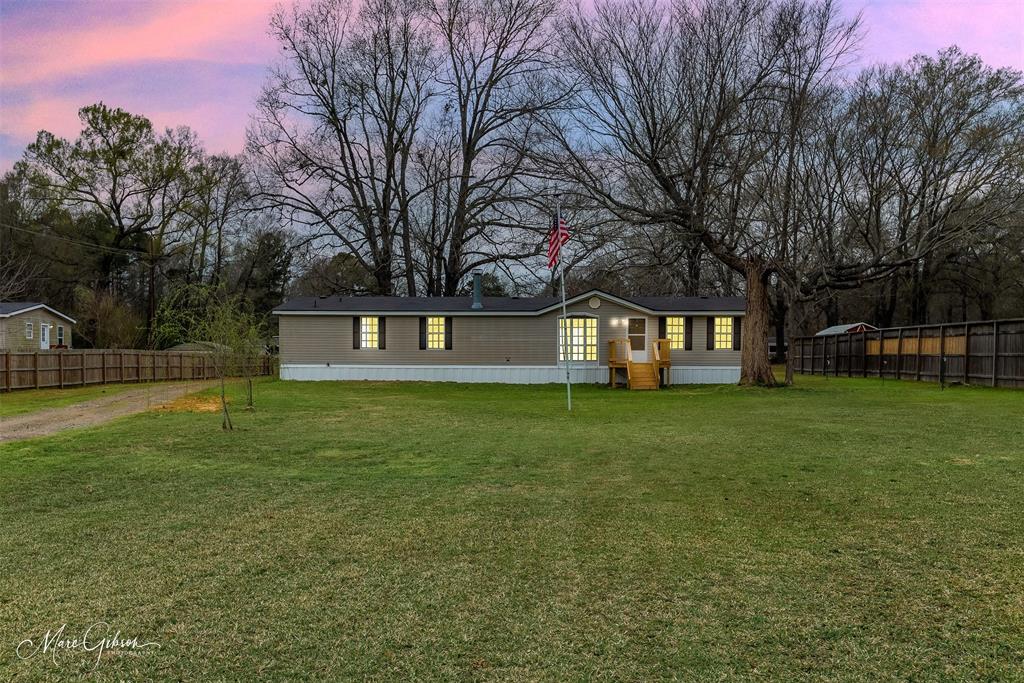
<point x="737" y="332"/>
<point x="662" y="327"/>
<point x="355" y="332"/>
<point x="448" y="333"/>
<point x="689" y="333"/>
<point x="711" y="333"/>
<point x="382" y="329"/>
<point x="423" y="333"/>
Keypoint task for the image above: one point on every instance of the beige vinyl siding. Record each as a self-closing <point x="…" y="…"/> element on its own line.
<point x="477" y="339"/>
<point x="12" y="330"/>
<point x="700" y="356"/>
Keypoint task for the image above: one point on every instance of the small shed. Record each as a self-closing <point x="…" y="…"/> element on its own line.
<point x="848" y="328"/>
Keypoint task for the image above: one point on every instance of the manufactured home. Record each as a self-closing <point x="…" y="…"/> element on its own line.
<point x="681" y="340"/>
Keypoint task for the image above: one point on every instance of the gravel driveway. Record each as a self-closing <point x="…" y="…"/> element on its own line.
<point x="95" y="411"/>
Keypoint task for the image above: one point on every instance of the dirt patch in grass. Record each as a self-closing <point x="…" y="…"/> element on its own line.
<point x="97" y="411"/>
<point x="194" y="404"/>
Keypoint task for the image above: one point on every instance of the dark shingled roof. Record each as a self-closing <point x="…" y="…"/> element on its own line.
<point x="8" y="307"/>
<point x="495" y="304"/>
<point x="691" y="303"/>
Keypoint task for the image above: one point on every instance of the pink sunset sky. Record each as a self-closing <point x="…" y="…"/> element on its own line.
<point x="201" y="62"/>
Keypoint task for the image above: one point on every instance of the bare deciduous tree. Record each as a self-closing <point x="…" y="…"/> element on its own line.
<point x="336" y="125"/>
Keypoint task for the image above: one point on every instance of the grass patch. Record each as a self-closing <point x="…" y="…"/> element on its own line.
<point x="837" y="529"/>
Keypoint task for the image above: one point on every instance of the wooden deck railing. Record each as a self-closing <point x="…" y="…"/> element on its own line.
<point x="662" y="354"/>
<point x="620" y="355"/>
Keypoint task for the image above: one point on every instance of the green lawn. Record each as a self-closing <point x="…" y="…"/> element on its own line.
<point x="30" y="400"/>
<point x="841" y="529"/>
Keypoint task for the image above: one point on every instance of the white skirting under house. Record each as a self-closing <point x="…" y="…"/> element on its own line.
<point x="499" y="374"/>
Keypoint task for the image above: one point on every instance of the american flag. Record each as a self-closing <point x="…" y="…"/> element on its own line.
<point x="559" y="236"/>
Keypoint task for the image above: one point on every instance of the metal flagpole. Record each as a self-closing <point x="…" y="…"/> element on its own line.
<point x="565" y="318"/>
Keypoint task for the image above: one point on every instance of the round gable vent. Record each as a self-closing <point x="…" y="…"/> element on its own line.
<point x="594" y="302"/>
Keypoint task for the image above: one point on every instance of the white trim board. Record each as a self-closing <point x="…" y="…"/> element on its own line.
<point x="27" y="309"/>
<point x="497" y="374"/>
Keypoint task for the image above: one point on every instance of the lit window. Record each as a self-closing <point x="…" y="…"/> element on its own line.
<point x="723" y="333"/>
<point x="675" y="332"/>
<point x="60" y="335"/>
<point x="435" y="333"/>
<point x="368" y="328"/>
<point x="582" y="340"/>
<point x="28" y="330"/>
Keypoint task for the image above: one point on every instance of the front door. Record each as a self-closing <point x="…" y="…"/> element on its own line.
<point x="44" y="336"/>
<point x="638" y="339"/>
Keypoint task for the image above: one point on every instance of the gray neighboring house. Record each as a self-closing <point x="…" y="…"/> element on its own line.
<point x="32" y="326"/>
<point x="505" y="339"/>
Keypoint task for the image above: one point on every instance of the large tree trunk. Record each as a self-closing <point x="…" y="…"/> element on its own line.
<point x="756" y="368"/>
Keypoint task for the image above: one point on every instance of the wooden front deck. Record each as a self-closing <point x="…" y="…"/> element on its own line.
<point x="653" y="373"/>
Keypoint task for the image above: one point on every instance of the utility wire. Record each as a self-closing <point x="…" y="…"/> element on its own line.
<point x="100" y="247"/>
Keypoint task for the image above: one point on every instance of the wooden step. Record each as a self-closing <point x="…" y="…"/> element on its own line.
<point x="643" y="377"/>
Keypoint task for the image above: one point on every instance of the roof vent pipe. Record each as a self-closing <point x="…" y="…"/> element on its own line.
<point x="478" y="297"/>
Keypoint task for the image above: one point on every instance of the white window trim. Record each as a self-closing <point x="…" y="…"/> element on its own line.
<point x="29" y="332"/>
<point x="60" y="335"/>
<point x="597" y="339"/>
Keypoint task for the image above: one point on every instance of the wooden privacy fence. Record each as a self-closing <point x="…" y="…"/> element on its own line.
<point x="989" y="352"/>
<point x="75" y="368"/>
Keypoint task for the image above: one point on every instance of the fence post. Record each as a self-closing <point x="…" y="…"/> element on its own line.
<point x="995" y="353"/>
<point x="878" y="355"/>
<point x="917" y="362"/>
<point x="899" y="352"/>
<point x="7" y="367"/>
<point x="138" y="366"/>
<point x="967" y="349"/>
<point x="864" y="353"/>
<point x="35" y="369"/>
<point x="60" y="369"/>
<point x="942" y="355"/>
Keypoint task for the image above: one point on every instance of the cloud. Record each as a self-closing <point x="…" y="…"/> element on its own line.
<point x="214" y="30"/>
<point x="179" y="62"/>
<point x="215" y="99"/>
<point x="899" y="29"/>
<point x="201" y="62"/>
